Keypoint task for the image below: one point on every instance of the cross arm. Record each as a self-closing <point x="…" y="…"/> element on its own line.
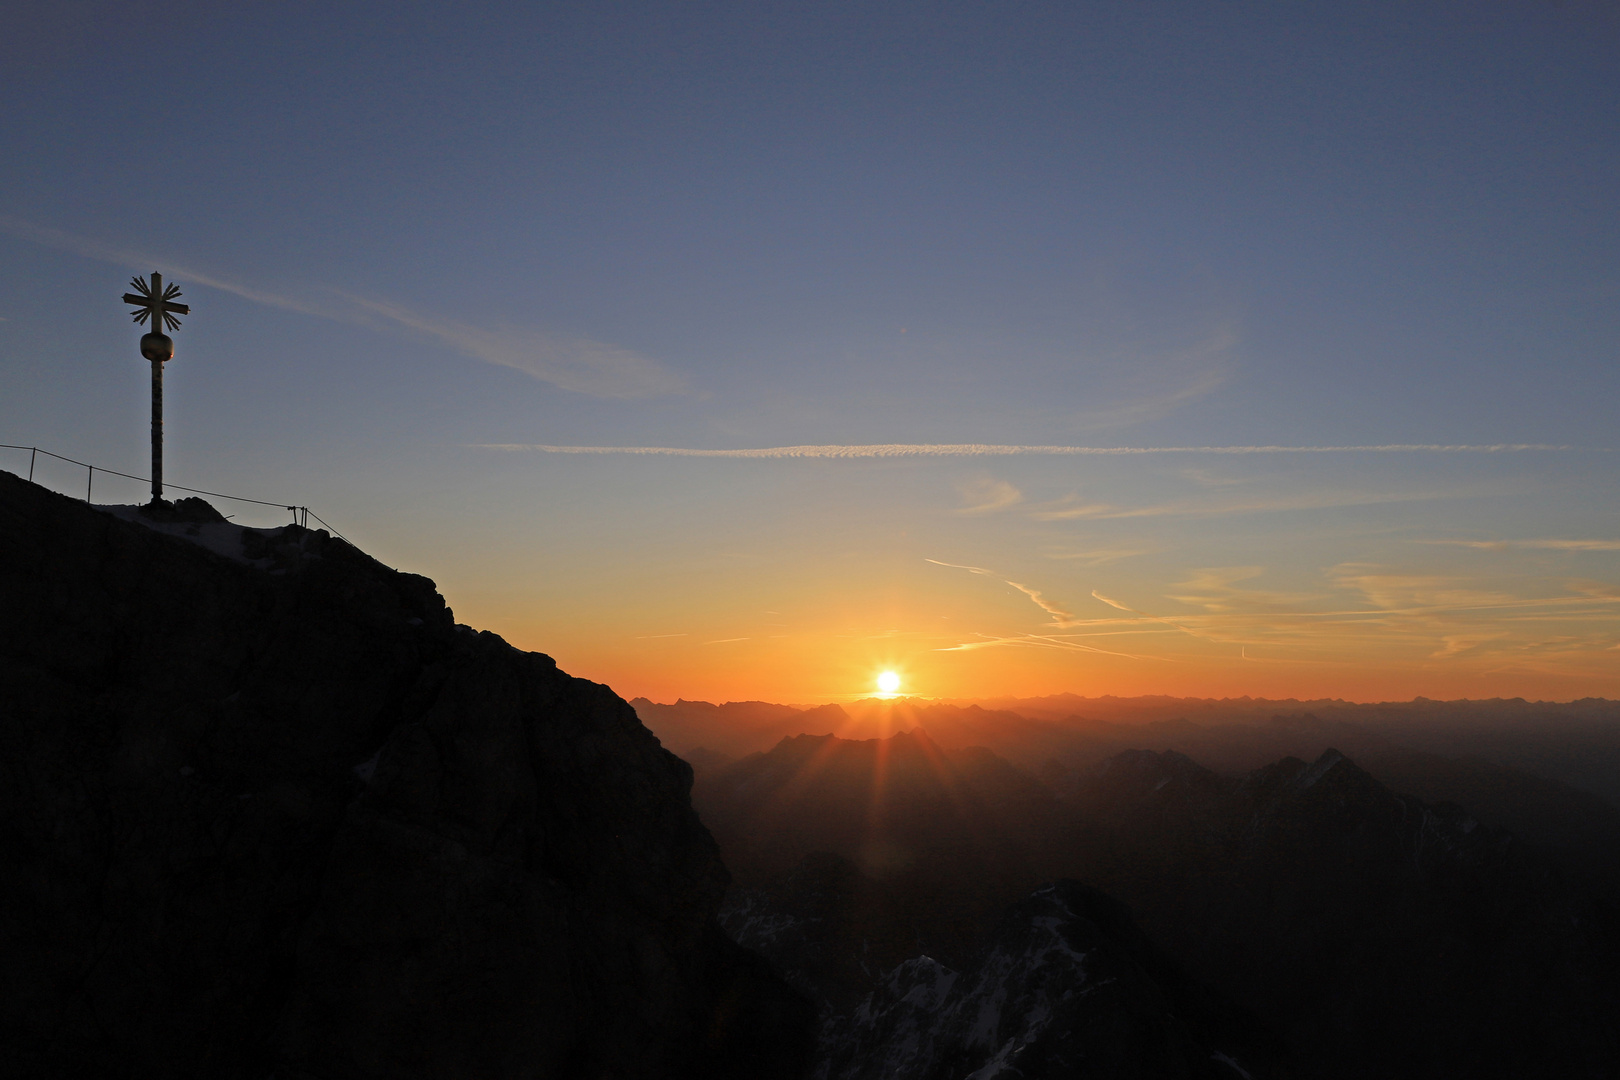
<point x="149" y="302"/>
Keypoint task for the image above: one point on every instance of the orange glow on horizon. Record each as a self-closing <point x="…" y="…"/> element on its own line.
<point x="820" y="667"/>
<point x="808" y="647"/>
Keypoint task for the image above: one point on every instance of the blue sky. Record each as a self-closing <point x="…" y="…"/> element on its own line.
<point x="413" y="232"/>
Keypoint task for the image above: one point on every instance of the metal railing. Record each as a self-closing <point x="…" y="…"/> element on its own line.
<point x="303" y="512"/>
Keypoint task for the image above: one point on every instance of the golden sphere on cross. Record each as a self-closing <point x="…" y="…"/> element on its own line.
<point x="157" y="346"/>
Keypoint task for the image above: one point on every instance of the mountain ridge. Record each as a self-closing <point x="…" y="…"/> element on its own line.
<point x="1371" y="932"/>
<point x="280" y="814"/>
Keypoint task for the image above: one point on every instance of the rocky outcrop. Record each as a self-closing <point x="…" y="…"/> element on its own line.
<point x="1377" y="934"/>
<point x="266" y="809"/>
<point x="1067" y="987"/>
<point x="881" y="848"/>
<point x="1060" y="983"/>
<point x="1368" y="932"/>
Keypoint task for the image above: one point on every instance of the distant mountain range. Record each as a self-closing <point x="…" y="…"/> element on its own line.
<point x="1549" y="772"/>
<point x="1303" y="918"/>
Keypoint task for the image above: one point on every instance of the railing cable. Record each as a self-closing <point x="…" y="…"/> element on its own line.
<point x="34" y="452"/>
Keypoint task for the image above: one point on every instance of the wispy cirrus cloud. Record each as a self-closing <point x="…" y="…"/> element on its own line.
<point x="983" y="494"/>
<point x="1101" y="556"/>
<point x="1114" y="603"/>
<point x="1598" y="590"/>
<point x="964" y="566"/>
<point x="1456" y="644"/>
<point x="1062" y="617"/>
<point x="1530" y="545"/>
<point x="1071" y="508"/>
<point x="918" y="450"/>
<point x="1421" y="618"/>
<point x="1041" y="641"/>
<point x="1210" y="479"/>
<point x="1142" y="616"/>
<point x="1156" y="406"/>
<point x="139" y="261"/>
<point x="1413" y="593"/>
<point x="1218" y="589"/>
<point x="570" y="363"/>
<point x="578" y="364"/>
<point x="1200" y="366"/>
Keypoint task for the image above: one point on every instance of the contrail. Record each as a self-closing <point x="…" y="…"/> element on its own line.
<point x="915" y="450"/>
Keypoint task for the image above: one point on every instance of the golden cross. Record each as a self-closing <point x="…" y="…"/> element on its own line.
<point x="153" y="302"/>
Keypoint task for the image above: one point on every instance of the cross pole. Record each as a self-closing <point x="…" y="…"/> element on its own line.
<point x="154" y="303"/>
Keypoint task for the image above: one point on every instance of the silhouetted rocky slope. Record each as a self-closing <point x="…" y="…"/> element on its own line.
<point x="1063" y="985"/>
<point x="265" y="809"/>
<point x="1372" y="933"/>
<point x="1066" y="987"/>
<point x="908" y="919"/>
<point x="1381" y="936"/>
<point x="1581" y="830"/>
<point x="943" y="839"/>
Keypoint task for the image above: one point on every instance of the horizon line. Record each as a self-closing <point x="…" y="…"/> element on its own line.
<point x="1013" y="701"/>
<point x="905" y="450"/>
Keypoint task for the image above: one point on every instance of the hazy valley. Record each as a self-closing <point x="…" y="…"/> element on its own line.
<point x="1350" y="890"/>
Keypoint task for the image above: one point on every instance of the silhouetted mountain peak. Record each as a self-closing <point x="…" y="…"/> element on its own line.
<point x="802" y="743"/>
<point x="1067" y="986"/>
<point x="901" y="747"/>
<point x="1331" y="780"/>
<point x="196" y="879"/>
<point x="831" y="715"/>
<point x="1137" y="778"/>
<point x="1307" y="777"/>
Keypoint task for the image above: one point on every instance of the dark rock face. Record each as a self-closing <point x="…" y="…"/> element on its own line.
<point x="1367" y="933"/>
<point x="1379" y="935"/>
<point x="1068" y="987"/>
<point x="1576" y="827"/>
<point x="885" y="848"/>
<point x="821" y="926"/>
<point x="276" y="813"/>
<point x="1056" y="984"/>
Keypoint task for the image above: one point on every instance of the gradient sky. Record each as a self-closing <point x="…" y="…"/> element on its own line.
<point x="425" y="242"/>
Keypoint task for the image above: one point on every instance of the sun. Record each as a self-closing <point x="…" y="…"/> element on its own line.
<point x="888" y="683"/>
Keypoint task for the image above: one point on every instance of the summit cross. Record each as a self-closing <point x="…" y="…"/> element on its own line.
<point x="155" y="303"/>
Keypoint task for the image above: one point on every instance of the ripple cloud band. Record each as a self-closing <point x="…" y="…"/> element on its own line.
<point x="911" y="450"/>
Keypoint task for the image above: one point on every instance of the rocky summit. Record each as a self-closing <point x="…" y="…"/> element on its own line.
<point x="267" y="810"/>
<point x="1068" y="987"/>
